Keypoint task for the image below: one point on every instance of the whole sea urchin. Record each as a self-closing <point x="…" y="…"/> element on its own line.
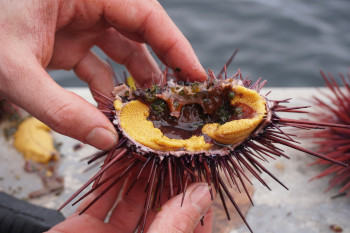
<point x="186" y="132"/>
<point x="335" y="142"/>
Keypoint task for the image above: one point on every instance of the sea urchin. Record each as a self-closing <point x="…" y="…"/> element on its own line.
<point x="335" y="142"/>
<point x="184" y="132"/>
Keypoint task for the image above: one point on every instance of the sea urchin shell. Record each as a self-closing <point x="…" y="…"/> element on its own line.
<point x="230" y="127"/>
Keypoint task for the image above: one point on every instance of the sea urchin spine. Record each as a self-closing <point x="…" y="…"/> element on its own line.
<point x="180" y="171"/>
<point x="335" y="142"/>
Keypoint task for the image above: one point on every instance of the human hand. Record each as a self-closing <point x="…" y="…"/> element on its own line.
<point x="58" y="34"/>
<point x="126" y="215"/>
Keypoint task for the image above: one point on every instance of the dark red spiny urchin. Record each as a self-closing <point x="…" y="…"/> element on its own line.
<point x="180" y="171"/>
<point x="334" y="142"/>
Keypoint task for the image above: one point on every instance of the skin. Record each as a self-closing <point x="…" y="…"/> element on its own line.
<point x="128" y="211"/>
<point x="37" y="35"/>
<point x="59" y="35"/>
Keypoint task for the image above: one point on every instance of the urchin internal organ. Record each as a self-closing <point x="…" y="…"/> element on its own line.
<point x="334" y="142"/>
<point x="183" y="132"/>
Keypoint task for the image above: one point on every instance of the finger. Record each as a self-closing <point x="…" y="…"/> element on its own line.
<point x="84" y="223"/>
<point x="152" y="213"/>
<point x="207" y="219"/>
<point x="101" y="208"/>
<point x="73" y="42"/>
<point x="96" y="72"/>
<point x="208" y="223"/>
<point x="133" y="55"/>
<point x="186" y="217"/>
<point x="127" y="213"/>
<point x="27" y="84"/>
<point x="149" y="20"/>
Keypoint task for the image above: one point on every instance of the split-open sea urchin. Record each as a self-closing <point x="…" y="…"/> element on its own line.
<point x="335" y="142"/>
<point x="184" y="132"/>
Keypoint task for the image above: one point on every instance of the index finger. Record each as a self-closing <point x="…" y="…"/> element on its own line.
<point x="148" y="19"/>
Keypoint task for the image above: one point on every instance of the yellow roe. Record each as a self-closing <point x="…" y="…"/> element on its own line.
<point x="34" y="141"/>
<point x="235" y="131"/>
<point x="133" y="119"/>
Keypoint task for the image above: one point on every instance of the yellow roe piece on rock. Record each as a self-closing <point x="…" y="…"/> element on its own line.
<point x="34" y="141"/>
<point x="133" y="119"/>
<point x="237" y="130"/>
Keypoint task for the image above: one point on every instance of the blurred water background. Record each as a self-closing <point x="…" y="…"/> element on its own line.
<point x="286" y="42"/>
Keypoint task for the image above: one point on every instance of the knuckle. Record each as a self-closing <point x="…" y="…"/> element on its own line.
<point x="59" y="117"/>
<point x="123" y="226"/>
<point x="181" y="227"/>
<point x="107" y="72"/>
<point x="128" y="200"/>
<point x="108" y="66"/>
<point x="185" y="223"/>
<point x="182" y="222"/>
<point x="171" y="47"/>
<point x="128" y="58"/>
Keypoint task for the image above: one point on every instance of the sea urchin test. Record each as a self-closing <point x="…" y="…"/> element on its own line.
<point x="177" y="133"/>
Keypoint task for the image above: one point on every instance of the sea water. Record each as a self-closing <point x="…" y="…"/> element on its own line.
<point x="286" y="42"/>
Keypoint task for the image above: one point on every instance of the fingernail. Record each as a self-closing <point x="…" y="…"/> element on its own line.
<point x="200" y="198"/>
<point x="101" y="138"/>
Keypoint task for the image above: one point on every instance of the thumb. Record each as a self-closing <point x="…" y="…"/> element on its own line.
<point x="176" y="218"/>
<point x="26" y="83"/>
